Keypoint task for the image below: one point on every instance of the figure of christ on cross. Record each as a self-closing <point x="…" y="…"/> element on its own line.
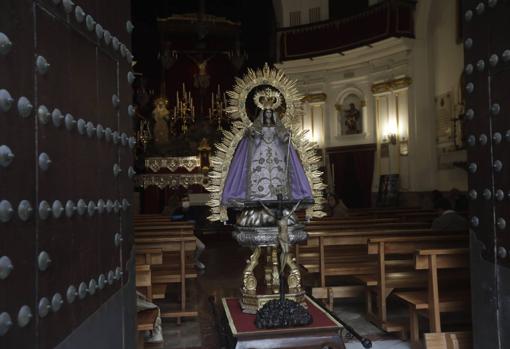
<point x="282" y="220"/>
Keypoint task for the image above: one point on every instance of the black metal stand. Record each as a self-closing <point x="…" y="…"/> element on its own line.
<point x="367" y="343"/>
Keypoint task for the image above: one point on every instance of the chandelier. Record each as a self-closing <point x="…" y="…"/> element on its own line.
<point x="217" y="112"/>
<point x="184" y="111"/>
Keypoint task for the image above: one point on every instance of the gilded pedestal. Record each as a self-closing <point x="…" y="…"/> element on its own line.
<point x="263" y="239"/>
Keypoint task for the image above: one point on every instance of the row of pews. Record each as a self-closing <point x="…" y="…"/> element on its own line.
<point x="164" y="259"/>
<point x="386" y="256"/>
<point x="390" y="256"/>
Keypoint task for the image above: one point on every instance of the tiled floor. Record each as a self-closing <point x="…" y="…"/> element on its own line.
<point x="225" y="261"/>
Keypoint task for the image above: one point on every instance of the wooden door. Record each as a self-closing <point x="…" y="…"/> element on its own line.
<point x="65" y="218"/>
<point x="487" y="126"/>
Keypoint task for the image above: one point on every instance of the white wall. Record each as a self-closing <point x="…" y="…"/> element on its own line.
<point x="283" y="8"/>
<point x="434" y="62"/>
<point x="354" y="72"/>
<point x="447" y="59"/>
<point x="436" y="66"/>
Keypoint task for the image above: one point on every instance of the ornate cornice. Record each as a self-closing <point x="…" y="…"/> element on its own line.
<point x="392" y="85"/>
<point x="169" y="180"/>
<point x="173" y="163"/>
<point x="314" y="98"/>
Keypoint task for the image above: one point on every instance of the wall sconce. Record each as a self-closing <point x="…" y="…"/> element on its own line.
<point x="390" y="133"/>
<point x="392" y="138"/>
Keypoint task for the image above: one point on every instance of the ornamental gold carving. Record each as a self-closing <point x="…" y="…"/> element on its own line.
<point x="314" y="98"/>
<point x="393" y="85"/>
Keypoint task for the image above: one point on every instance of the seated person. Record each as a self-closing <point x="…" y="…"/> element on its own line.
<point x="448" y="219"/>
<point x="335" y="207"/>
<point x="183" y="213"/>
<point x="459" y="200"/>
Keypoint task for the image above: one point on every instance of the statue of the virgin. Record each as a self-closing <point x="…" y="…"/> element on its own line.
<point x="266" y="169"/>
<point x="265" y="155"/>
<point x="265" y="163"/>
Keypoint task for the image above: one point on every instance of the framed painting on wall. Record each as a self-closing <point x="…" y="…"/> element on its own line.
<point x="388" y="193"/>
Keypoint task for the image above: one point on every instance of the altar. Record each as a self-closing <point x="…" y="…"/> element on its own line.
<point x="241" y="332"/>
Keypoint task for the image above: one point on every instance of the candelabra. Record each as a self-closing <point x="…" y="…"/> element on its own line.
<point x="143" y="135"/>
<point x="217" y="112"/>
<point x="184" y="110"/>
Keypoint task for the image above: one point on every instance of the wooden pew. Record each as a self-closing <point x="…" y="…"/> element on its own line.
<point x="150" y="257"/>
<point x="433" y="301"/>
<point x="140" y="233"/>
<point x="449" y="340"/>
<point x="352" y="220"/>
<point x="397" y="273"/>
<point x="158" y="228"/>
<point x="175" y="268"/>
<point x="364" y="224"/>
<point x="406" y="216"/>
<point x="144" y="280"/>
<point x="343" y="253"/>
<point x="319" y="241"/>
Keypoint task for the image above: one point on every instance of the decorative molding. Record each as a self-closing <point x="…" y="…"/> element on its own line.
<point x="169" y="180"/>
<point x="173" y="163"/>
<point x="393" y="85"/>
<point x="314" y="98"/>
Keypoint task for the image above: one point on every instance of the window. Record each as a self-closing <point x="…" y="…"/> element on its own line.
<point x="295" y="18"/>
<point x="314" y="14"/>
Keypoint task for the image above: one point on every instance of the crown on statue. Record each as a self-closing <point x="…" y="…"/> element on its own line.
<point x="268" y="99"/>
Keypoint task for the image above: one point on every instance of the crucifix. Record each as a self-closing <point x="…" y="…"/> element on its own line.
<point x="282" y="221"/>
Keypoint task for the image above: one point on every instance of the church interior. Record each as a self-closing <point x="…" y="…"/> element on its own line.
<point x="254" y="174"/>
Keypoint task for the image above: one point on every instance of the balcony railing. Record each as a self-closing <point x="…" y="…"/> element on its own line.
<point x="392" y="18"/>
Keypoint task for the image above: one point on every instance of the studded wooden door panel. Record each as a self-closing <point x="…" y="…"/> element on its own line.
<point x="487" y="125"/>
<point x="65" y="166"/>
<point x="17" y="175"/>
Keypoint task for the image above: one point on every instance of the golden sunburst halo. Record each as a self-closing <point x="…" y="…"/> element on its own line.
<point x="254" y="79"/>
